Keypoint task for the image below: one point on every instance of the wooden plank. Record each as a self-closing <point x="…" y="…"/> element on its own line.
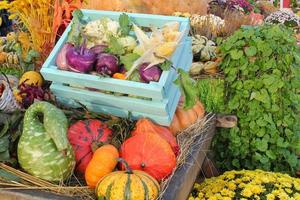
<point x="153" y="91"/>
<point x="184" y="178"/>
<point x="159" y="119"/>
<point x="121" y="102"/>
<point x="146" y="20"/>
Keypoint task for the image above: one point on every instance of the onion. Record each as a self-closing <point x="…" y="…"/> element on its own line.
<point x="151" y="74"/>
<point x="61" y="60"/>
<point x="107" y="64"/>
<point x="81" y="59"/>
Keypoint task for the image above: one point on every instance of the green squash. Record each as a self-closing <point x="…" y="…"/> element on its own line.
<point x="44" y="150"/>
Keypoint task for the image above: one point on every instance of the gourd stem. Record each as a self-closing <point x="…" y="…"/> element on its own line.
<point x="127" y="168"/>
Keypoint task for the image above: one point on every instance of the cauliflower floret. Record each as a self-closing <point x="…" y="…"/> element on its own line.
<point x="128" y="43"/>
<point x="99" y="31"/>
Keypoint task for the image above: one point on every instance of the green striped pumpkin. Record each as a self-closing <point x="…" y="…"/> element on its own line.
<point x="44" y="150"/>
<point x="127" y="185"/>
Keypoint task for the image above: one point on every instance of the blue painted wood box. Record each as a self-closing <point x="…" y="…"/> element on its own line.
<point x="164" y="95"/>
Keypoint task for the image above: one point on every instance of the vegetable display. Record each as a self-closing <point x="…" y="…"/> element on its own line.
<point x="128" y="184"/>
<point x="103" y="162"/>
<point x="85" y="137"/>
<point x="110" y="49"/>
<point x="139" y="152"/>
<point x="261" y="68"/>
<point x="44" y="150"/>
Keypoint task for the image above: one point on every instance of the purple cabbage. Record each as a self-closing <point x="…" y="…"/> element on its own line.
<point x="81" y="59"/>
<point x="107" y="64"/>
<point x="151" y="74"/>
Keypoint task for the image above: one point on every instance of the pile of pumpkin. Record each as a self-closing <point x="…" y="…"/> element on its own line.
<point x="134" y="170"/>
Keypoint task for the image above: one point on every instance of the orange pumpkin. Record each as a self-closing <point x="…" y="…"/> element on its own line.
<point x="145" y="125"/>
<point x="149" y="152"/>
<point x="185" y="118"/>
<point x="104" y="161"/>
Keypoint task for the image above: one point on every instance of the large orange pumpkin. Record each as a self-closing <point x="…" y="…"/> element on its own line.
<point x="145" y="125"/>
<point x="150" y="153"/>
<point x="185" y="118"/>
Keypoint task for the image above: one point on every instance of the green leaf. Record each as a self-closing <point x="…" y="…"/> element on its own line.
<point x="125" y="25"/>
<point x="128" y="60"/>
<point x="115" y="47"/>
<point x="251" y="51"/>
<point x="236" y="54"/>
<point x="165" y="66"/>
<point x="271" y="154"/>
<point x="187" y="86"/>
<point x="4" y="156"/>
<point x="4" y="143"/>
<point x="31" y="55"/>
<point x="75" y="36"/>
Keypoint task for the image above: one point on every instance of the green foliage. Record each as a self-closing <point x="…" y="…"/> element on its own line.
<point x="128" y="60"/>
<point x="10" y="130"/>
<point x="125" y="25"/>
<point x="211" y="94"/>
<point x="74" y="36"/>
<point x="187" y="86"/>
<point x="114" y="47"/>
<point x="262" y="81"/>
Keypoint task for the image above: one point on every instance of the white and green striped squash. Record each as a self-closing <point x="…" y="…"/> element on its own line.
<point x="203" y="49"/>
<point x="127" y="185"/>
<point x="43" y="149"/>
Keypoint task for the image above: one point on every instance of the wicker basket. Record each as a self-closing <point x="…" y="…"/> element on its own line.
<point x="8" y="102"/>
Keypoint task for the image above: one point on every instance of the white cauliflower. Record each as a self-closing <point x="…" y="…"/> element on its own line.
<point x="99" y="31"/>
<point x="128" y="43"/>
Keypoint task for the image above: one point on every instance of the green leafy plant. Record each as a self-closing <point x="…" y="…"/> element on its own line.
<point x="10" y="130"/>
<point x="262" y="80"/>
<point x="211" y="94"/>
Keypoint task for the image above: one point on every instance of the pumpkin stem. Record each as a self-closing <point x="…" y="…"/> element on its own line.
<point x="127" y="168"/>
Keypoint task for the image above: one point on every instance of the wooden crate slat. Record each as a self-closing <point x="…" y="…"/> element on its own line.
<point x="126" y="103"/>
<point x="151" y="90"/>
<point x="160" y="119"/>
<point x="146" y="20"/>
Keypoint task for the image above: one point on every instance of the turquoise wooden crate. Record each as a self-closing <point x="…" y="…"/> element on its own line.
<point x="164" y="94"/>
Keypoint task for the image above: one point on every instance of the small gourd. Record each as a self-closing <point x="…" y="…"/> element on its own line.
<point x="203" y="49"/>
<point x="43" y="149"/>
<point x="185" y="118"/>
<point x="128" y="184"/>
<point x="104" y="161"/>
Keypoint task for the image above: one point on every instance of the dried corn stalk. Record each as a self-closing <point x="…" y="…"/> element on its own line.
<point x="150" y="6"/>
<point x="37" y="17"/>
